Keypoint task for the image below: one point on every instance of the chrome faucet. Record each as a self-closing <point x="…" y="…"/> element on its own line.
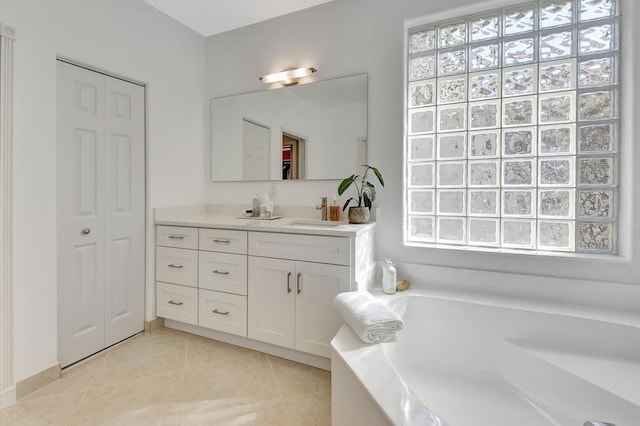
<point x="323" y="207"/>
<point x="597" y="423"/>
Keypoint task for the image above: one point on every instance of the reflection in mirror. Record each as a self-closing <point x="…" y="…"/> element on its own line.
<point x="311" y="131"/>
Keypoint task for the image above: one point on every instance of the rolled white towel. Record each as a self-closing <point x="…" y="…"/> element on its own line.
<point x="370" y="319"/>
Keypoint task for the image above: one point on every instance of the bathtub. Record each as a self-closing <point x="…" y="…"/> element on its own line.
<point x="479" y="362"/>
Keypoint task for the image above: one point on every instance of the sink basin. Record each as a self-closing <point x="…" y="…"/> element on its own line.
<point x="315" y="223"/>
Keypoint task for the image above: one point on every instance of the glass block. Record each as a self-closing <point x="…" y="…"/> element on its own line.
<point x="422" y="228"/>
<point x="484" y="203"/>
<point x="555" y="235"/>
<point x="451" y="202"/>
<point x="597" y="72"/>
<point x="595" y="9"/>
<point x="451" y="230"/>
<point x="452" y="62"/>
<point x="452" y="90"/>
<point x="554" y="13"/>
<point x="421" y="148"/>
<point x="520" y="81"/>
<point x="557" y="107"/>
<point x="518" y="172"/>
<point x="519" y="142"/>
<point x="422" y="67"/>
<point x="595" y="171"/>
<point x="485" y="28"/>
<point x="452" y="35"/>
<point x="422" y="41"/>
<point x="484" y="86"/>
<point x="451" y="174"/>
<point x="518" y="203"/>
<point x="519" y="111"/>
<point x="452" y="118"/>
<point x="484" y="144"/>
<point x="596" y="138"/>
<point x="556" y="171"/>
<point x="556" y="45"/>
<point x="484" y="57"/>
<point x="421" y="174"/>
<point x="483" y="173"/>
<point x="596" y="236"/>
<point x="421" y="202"/>
<point x="422" y="93"/>
<point x="483" y="232"/>
<point x="483" y="115"/>
<point x="518" y="20"/>
<point x="556" y="203"/>
<point x="554" y="140"/>
<point x="595" y="203"/>
<point x="519" y="51"/>
<point x="422" y="120"/>
<point x="451" y="146"/>
<point x="595" y="105"/>
<point x="518" y="233"/>
<point x="598" y="38"/>
<point x="558" y="76"/>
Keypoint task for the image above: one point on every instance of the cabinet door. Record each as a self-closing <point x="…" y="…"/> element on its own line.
<point x="271" y="301"/>
<point x="317" y="321"/>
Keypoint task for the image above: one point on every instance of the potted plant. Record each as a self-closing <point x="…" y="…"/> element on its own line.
<point x="366" y="194"/>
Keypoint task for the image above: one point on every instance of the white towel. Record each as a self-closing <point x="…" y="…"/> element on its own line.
<point x="371" y="320"/>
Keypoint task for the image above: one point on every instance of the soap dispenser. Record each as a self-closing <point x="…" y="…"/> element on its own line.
<point x="334" y="211"/>
<point x="256" y="206"/>
<point x="389" y="277"/>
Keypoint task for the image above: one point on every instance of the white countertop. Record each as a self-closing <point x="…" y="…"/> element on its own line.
<point x="207" y="217"/>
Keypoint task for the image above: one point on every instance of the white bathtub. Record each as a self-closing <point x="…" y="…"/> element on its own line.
<point x="481" y="363"/>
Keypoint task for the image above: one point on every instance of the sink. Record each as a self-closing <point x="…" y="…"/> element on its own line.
<point x="315" y="223"/>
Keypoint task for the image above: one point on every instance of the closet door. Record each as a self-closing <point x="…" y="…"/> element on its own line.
<point x="100" y="210"/>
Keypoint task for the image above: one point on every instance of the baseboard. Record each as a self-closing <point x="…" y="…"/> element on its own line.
<point x="153" y="325"/>
<point x="37" y="381"/>
<point x="279" y="351"/>
<point x="7" y="397"/>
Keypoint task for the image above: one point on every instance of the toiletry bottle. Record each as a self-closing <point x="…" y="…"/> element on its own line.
<point x="256" y="206"/>
<point x="389" y="277"/>
<point x="334" y="211"/>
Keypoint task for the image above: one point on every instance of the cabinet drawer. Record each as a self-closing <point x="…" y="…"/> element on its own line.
<point x="223" y="240"/>
<point x="222" y="311"/>
<point x="177" y="236"/>
<point x="312" y="248"/>
<point x="177" y="302"/>
<point x="223" y="272"/>
<point x="177" y="266"/>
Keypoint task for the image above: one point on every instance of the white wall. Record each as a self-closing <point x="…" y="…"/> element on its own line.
<point x="127" y="38"/>
<point x="354" y="36"/>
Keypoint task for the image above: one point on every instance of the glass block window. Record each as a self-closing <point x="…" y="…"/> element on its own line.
<point x="512" y="130"/>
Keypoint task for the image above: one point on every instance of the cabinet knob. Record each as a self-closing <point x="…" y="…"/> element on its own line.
<point x="85" y="231"/>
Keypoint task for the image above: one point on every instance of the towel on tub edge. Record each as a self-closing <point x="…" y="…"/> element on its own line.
<point x="370" y="319"/>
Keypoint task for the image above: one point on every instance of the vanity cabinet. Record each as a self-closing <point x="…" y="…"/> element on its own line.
<point x="291" y="299"/>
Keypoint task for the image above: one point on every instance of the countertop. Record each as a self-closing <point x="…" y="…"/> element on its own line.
<point x="207" y="217"/>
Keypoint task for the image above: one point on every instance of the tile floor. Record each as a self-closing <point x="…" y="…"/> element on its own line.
<point x="172" y="378"/>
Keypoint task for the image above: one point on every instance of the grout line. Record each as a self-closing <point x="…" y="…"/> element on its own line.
<point x="281" y="401"/>
<point x="184" y="377"/>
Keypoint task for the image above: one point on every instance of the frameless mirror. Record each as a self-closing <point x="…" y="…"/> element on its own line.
<point x="310" y="131"/>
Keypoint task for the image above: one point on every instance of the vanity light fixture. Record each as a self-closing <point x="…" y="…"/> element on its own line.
<point x="288" y="76"/>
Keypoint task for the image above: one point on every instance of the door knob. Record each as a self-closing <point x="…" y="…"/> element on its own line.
<point x="86" y="231"/>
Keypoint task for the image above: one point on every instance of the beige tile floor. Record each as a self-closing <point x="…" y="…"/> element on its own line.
<point x="172" y="378"/>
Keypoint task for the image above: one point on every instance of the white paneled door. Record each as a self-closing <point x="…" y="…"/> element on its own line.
<point x="101" y="210"/>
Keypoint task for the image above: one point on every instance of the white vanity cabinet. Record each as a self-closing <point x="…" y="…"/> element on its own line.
<point x="291" y="299"/>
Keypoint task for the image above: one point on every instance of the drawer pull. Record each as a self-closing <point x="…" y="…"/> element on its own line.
<point x="171" y="302"/>
<point x="176" y="237"/>
<point x="221" y="241"/>
<point x="220" y="272"/>
<point x="288" y="282"/>
<point x="171" y="265"/>
<point x="298" y="282"/>
<point x="215" y="311"/>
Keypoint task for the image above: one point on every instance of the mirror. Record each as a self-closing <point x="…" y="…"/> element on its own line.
<point x="309" y="131"/>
